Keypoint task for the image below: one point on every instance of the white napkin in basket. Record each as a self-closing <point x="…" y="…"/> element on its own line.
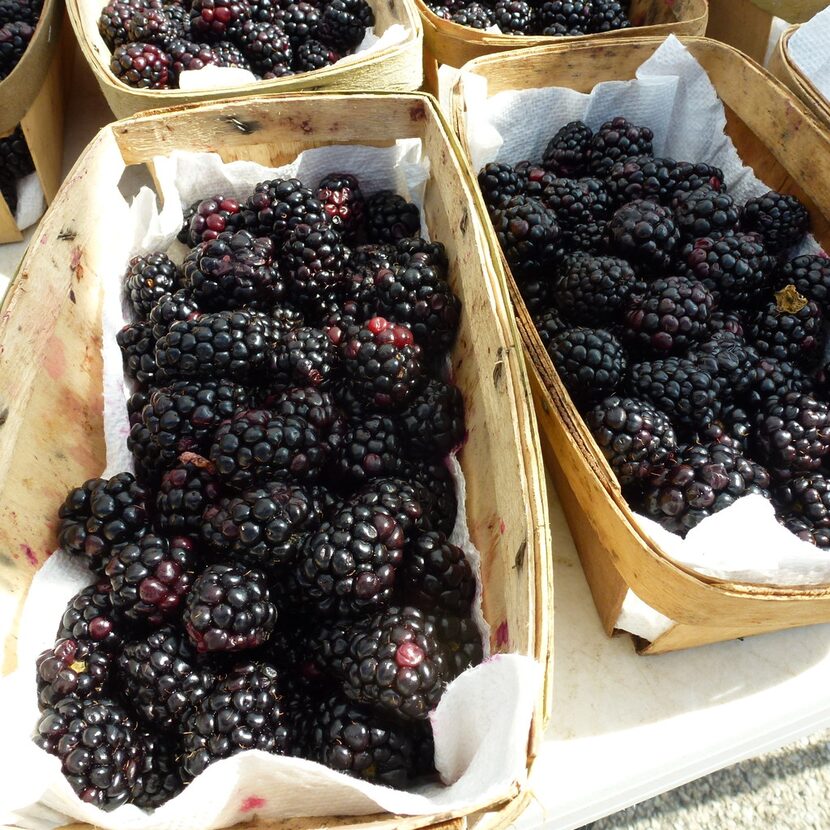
<point x="809" y="50"/>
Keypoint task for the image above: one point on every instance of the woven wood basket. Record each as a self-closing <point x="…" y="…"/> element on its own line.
<point x="32" y="97"/>
<point x="398" y="68"/>
<point x="789" y="150"/>
<point x="51" y="372"/>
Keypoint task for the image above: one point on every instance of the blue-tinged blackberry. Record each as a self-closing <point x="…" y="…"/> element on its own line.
<point x="608" y="16"/>
<point x="264" y="526"/>
<point x="475" y="15"/>
<point x="461" y="643"/>
<point x="811" y="277"/>
<point x="670" y="315"/>
<point x="184" y="493"/>
<point x="314" y="54"/>
<point x="279" y="205"/>
<point x="636" y="439"/>
<point x="582" y="210"/>
<point x="256" y="445"/>
<point x="572" y="15"/>
<point x="436" y="575"/>
<point x="433" y="422"/>
<point x="499" y="183"/>
<point x="229" y="609"/>
<point x="687" y="176"/>
<point x="208" y="218"/>
<point x="148" y="279"/>
<point x="791" y="328"/>
<point x="152" y="26"/>
<point x="389" y="217"/>
<point x="72" y="668"/>
<point x="162" y="677"/>
<point x="705" y="479"/>
<point x="245" y="709"/>
<point x="212" y="20"/>
<point x="549" y="323"/>
<point x="313" y="259"/>
<point x="265" y="45"/>
<point x="567" y="152"/>
<point x="306" y="357"/>
<point x="343" y="23"/>
<point x="138" y="351"/>
<point x="141" y="65"/>
<point x="299" y="21"/>
<point x="14" y="39"/>
<point x="644" y="233"/>
<point x="343" y="201"/>
<point x="617" y="139"/>
<point x="590" y="362"/>
<point x="680" y="388"/>
<point x="514" y="17"/>
<point x="435" y="479"/>
<point x="372" y="447"/>
<point x="100" y="514"/>
<point x="408" y="502"/>
<point x="161" y="779"/>
<point x="592" y="290"/>
<point x="98" y="745"/>
<point x="535" y="291"/>
<point x="774" y="378"/>
<point x="641" y="177"/>
<point x="172" y="308"/>
<point x="89" y="617"/>
<point x="529" y="236"/>
<point x="705" y="212"/>
<point x="781" y="219"/>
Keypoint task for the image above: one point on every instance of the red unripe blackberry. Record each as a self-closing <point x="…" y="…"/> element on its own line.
<point x="211" y="20"/>
<point x="207" y="218"/>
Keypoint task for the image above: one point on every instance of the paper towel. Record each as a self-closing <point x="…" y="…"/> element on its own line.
<point x="673" y="95"/>
<point x="480" y="726"/>
<point x="30" y="201"/>
<point x="808" y="50"/>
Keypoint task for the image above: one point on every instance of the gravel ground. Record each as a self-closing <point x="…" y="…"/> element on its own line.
<point x="784" y="790"/>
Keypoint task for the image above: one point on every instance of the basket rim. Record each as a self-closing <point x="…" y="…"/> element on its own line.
<point x="805" y="84"/>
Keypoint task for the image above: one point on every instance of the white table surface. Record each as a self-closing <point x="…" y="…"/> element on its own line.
<point x="625" y="727"/>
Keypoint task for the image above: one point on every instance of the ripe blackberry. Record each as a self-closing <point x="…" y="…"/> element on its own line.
<point x="312" y="55"/>
<point x="806" y="498"/>
<point x="705" y="212"/>
<point x="733" y="430"/>
<point x="567" y="152"/>
<point x="211" y="20"/>
<point x="138" y="351"/>
<point x="687" y="177"/>
<point x="228" y="54"/>
<point x="89" y="617"/>
<point x="435" y="480"/>
<point x="100" y="514"/>
<point x="617" y="139"/>
<point x="98" y="746"/>
<point x="726" y="321"/>
<point x="371" y="448"/>
<point x="151" y="26"/>
<point x="528" y="235"/>
<point x="172" y="308"/>
<point x="460" y="642"/>
<point x="150" y="577"/>
<point x="179" y="17"/>
<point x="160" y="675"/>
<point x="406" y="501"/>
<point x="343" y="23"/>
<point x="548" y="324"/>
<point x="279" y="205"/>
<point x="608" y="16"/>
<point x="394" y="662"/>
<point x="774" y="378"/>
<point x="414" y="250"/>
<point x="572" y="15"/>
<point x="704" y="480"/>
<point x="811" y="277"/>
<point x="342" y="200"/>
<point x="141" y="65"/>
<point x="160" y="776"/>
<point x="791" y="328"/>
<point x="264" y="526"/>
<point x="474" y="15"/>
<point x="354" y="739"/>
<point x="299" y="21"/>
<point x="590" y="362"/>
<point x="265" y="45"/>
<point x="72" y="668"/>
<point x="781" y="219"/>
<point x="582" y="210"/>
<point x="591" y="289"/>
<point x="499" y="183"/>
<point x="347" y="567"/>
<point x="641" y="177"/>
<point x="644" y="233"/>
<point x="390" y="217"/>
<point x="806" y="531"/>
<point x="792" y="435"/>
<point x="207" y="218"/>
<point x="306" y="357"/>
<point x="264" y="10"/>
<point x="680" y="388"/>
<point x="433" y="422"/>
<point x="731" y="361"/>
<point x="436" y="574"/>
<point x="185" y="55"/>
<point x="514" y="17"/>
<point x="316" y="406"/>
<point x="285" y="318"/>
<point x="148" y="279"/>
<point x="184" y="493"/>
<point x="671" y="315"/>
<point x="14" y="39"/>
<point x="15" y="158"/>
<point x="229" y="609"/>
<point x="636" y="439"/>
<point x="313" y="260"/>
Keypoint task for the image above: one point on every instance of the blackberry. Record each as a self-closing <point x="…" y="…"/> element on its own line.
<point x="279" y="205"/>
<point x="313" y="260"/>
<point x="774" y="378"/>
<point x="72" y="668"/>
<point x="244" y="710"/>
<point x="433" y="423"/>
<point x="590" y="290"/>
<point x="172" y="308"/>
<point x="680" y="388"/>
<point x="184" y="493"/>
<point x="572" y="15"/>
<point x="528" y="235"/>
<point x="342" y="200"/>
<point x="312" y="55"/>
<point x="645" y="234"/>
<point x="148" y="279"/>
<point x="354" y="739"/>
<point x="641" y="177"/>
<point x="460" y="642"/>
<point x="179" y="17"/>
<point x="414" y="250"/>
<point x="687" y="177"/>
<point x="138" y="351"/>
<point x="15" y="158"/>
<point x="14" y="39"/>
<point x="150" y="577"/>
<point x="343" y="23"/>
<point x="731" y="361"/>
<point x="811" y="277"/>
<point x="407" y="502"/>
<point x="499" y="183"/>
<point x="608" y="16"/>
<point x="390" y="217"/>
<point x="782" y="220"/>
<point x="705" y="212"/>
<point x="806" y="531"/>
<point x="474" y="15"/>
<point x="98" y="747"/>
<point x="285" y="318"/>
<point x="395" y="663"/>
<point x="567" y="152"/>
<point x="228" y="54"/>
<point x="316" y="406"/>
<point x="733" y="430"/>
<point x="187" y="56"/>
<point x="208" y="218"/>
<point x="89" y="617"/>
<point x="264" y="10"/>
<point x="590" y="362"/>
<point x="548" y="324"/>
<point x="807" y="498"/>
<point x="735" y="268"/>
<point x="8" y="192"/>
<point x="704" y="480"/>
<point x="100" y="514"/>
<point x="12" y="11"/>
<point x="229" y="609"/>
<point x="371" y="448"/>
<point x="347" y="567"/>
<point x="135" y="404"/>
<point x="726" y="321"/>
<point x="262" y="527"/>
<point x="232" y="344"/>
<point x="636" y="439"/>
<point x="141" y="65"/>
<point x="151" y="26"/>
<point x="582" y="210"/>
<point x="617" y="139"/>
<point x="514" y="17"/>
<point x="161" y="677"/>
<point x="306" y="357"/>
<point x="265" y="45"/>
<point x="212" y="20"/>
<point x="160" y="776"/>
<point x="299" y="21"/>
<point x="671" y="315"/>
<point x="791" y="328"/>
<point x="436" y="574"/>
<point x="792" y="435"/>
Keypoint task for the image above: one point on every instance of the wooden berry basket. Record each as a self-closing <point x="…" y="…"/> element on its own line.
<point x="398" y="68"/>
<point x="32" y="96"/>
<point x="51" y="418"/>
<point x="789" y="150"/>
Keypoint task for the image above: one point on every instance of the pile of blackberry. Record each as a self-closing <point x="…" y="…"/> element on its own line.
<point x="15" y="163"/>
<point x="18" y="21"/>
<point x="551" y="18"/>
<point x="689" y="330"/>
<point x="152" y="43"/>
<point x="278" y="573"/>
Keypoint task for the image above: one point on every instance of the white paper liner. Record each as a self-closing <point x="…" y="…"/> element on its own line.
<point x="674" y="96"/>
<point x="809" y="50"/>
<point x="480" y="726"/>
